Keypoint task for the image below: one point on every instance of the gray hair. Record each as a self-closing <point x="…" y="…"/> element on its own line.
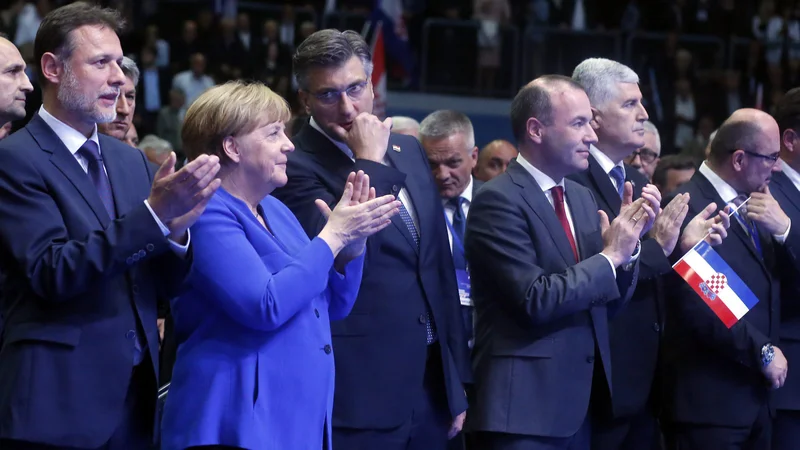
<point x="445" y="123"/>
<point x="404" y="123"/>
<point x="130" y="69"/>
<point x="599" y="78"/>
<point x="156" y="143"/>
<point x="328" y="49"/>
<point x="650" y="127"/>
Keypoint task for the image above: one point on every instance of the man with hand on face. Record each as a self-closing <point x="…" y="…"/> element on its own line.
<point x="14" y="84"/>
<point x="720" y="380"/>
<point x="547" y="271"/>
<point x="126" y="104"/>
<point x="401" y="355"/>
<point x="449" y="141"/>
<point x="89" y="238"/>
<point x="645" y="159"/>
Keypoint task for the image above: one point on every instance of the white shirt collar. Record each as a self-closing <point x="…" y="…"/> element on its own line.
<point x="341" y="145"/>
<point x="793" y="175"/>
<point x="72" y="138"/>
<point x="543" y="180"/>
<point x="726" y="192"/>
<point x="605" y="162"/>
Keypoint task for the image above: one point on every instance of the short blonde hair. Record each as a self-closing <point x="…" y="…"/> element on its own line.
<point x="232" y="109"/>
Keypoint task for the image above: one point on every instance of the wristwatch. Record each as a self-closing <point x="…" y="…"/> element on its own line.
<point x="767" y="354"/>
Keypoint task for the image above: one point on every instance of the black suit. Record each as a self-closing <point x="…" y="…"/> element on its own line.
<point x="635" y="333"/>
<point x="716" y="395"/>
<point x="384" y="370"/>
<point x="541" y="345"/>
<point x="786" y="433"/>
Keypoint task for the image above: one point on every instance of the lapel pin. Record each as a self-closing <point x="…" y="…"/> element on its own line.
<point x="396" y="148"/>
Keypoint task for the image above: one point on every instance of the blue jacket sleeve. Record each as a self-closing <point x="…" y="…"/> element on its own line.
<point x="232" y="273"/>
<point x="343" y="289"/>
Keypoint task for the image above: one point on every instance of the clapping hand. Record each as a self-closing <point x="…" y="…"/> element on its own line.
<point x="357" y="216"/>
<point x="713" y="230"/>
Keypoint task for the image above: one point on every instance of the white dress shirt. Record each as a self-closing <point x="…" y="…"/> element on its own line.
<point x="546" y="183"/>
<point x="606" y="164"/>
<point x="403" y="195"/>
<point x="73" y="140"/>
<point x="727" y="193"/>
<point x="793" y="175"/>
<point x="450" y="210"/>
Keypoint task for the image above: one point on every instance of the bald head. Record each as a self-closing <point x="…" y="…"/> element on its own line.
<point x="493" y="159"/>
<point x="14" y="83"/>
<point x="745" y="149"/>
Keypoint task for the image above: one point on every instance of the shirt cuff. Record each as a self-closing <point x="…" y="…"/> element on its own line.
<point x="610" y="263"/>
<point x="179" y="249"/>
<point x="782" y="237"/>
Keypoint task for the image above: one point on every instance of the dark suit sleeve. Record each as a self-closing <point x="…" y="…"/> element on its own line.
<point x="652" y="261"/>
<point x="500" y="245"/>
<point x="58" y="268"/>
<point x="741" y="343"/>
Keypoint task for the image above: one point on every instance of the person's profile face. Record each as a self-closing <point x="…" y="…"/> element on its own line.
<point x="621" y="119"/>
<point x="336" y="95"/>
<point x="14" y="83"/>
<point x="263" y="154"/>
<point x="126" y="106"/>
<point x="451" y="160"/>
<point x="567" y="139"/>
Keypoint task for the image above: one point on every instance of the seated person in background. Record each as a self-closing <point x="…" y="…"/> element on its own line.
<point x="255" y="367"/>
<point x="493" y="159"/>
<point x="132" y="137"/>
<point x="672" y="172"/>
<point x="126" y="103"/>
<point x="405" y="125"/>
<point x="155" y="149"/>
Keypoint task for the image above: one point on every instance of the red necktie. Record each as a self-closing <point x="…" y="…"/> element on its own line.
<point x="561" y="213"/>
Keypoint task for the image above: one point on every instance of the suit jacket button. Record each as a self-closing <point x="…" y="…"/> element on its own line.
<point x="150" y="247"/>
<point x="590" y="359"/>
<point x="130" y="334"/>
<point x="327" y="349"/>
<point x="656" y="327"/>
<point x="136" y="257"/>
<point x="142" y="253"/>
<point x="395" y="189"/>
<point x="316" y="312"/>
<point x="422" y="318"/>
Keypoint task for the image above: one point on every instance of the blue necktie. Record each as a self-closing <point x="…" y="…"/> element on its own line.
<point x="459" y="225"/>
<point x="97" y="174"/>
<point x="619" y="178"/>
<point x="746" y="223"/>
<point x="430" y="327"/>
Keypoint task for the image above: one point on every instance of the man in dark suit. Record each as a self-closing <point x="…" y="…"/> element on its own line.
<point x="719" y="380"/>
<point x="449" y="141"/>
<point x="546" y="274"/>
<point x="401" y="355"/>
<point x="635" y="334"/>
<point x="86" y="246"/>
<point x="785" y="187"/>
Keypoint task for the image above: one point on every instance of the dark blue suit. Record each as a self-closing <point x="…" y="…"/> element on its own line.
<point x="541" y="333"/>
<point x="715" y="393"/>
<point x="635" y="332"/>
<point x="75" y="295"/>
<point x="381" y="352"/>
<point x="786" y="433"/>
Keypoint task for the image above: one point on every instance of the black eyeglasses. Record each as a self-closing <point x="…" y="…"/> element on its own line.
<point x="645" y="154"/>
<point x="773" y="158"/>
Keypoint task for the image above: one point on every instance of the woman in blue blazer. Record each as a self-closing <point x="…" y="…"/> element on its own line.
<point x="254" y="366"/>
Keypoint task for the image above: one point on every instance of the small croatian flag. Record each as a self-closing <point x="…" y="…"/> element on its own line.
<point x="716" y="283"/>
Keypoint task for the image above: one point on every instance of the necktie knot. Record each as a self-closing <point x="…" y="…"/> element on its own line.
<point x="618" y="175"/>
<point x="456" y="202"/>
<point x="558" y="194"/>
<point x="90" y="151"/>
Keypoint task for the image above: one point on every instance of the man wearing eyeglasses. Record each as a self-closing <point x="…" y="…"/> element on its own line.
<point x="646" y="158"/>
<point x="401" y="355"/>
<point x="719" y="392"/>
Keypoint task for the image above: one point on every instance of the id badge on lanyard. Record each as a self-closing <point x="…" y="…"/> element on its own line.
<point x="462" y="276"/>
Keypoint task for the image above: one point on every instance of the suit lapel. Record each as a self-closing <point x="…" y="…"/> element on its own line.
<point x="581" y="214"/>
<point x="333" y="159"/>
<point x="114" y="161"/>
<point x="538" y="202"/>
<point x="603" y="185"/>
<point x="787" y="189"/>
<point x="399" y="161"/>
<point x="66" y="163"/>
